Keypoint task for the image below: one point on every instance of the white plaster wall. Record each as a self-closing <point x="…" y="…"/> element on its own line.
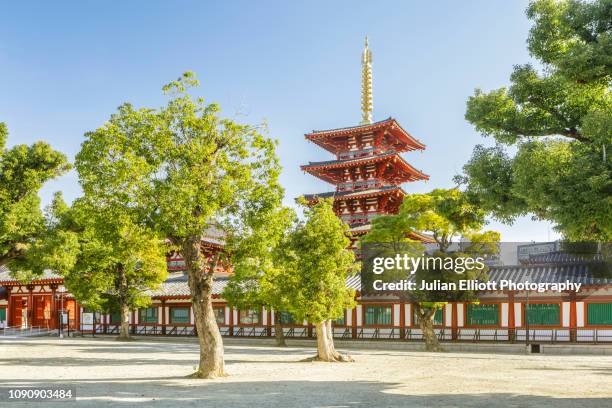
<point x="518" y="319"/>
<point x="460" y="313"/>
<point x="264" y="317"/>
<point x="448" y="313"/>
<point x="504" y="315"/>
<point x="407" y="314"/>
<point x="227" y="314"/>
<point x="359" y="317"/>
<point x="565" y="314"/>
<point x="580" y="314"/>
<point x="396" y="315"/>
<point x="349" y="317"/>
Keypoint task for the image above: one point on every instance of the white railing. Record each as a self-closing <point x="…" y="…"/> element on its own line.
<point x="18" y="331"/>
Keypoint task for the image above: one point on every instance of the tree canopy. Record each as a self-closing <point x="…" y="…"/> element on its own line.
<point x="189" y="174"/>
<point x="105" y="244"/>
<point x="317" y="261"/>
<point x="447" y="216"/>
<point x="23" y="171"/>
<point x="255" y="245"/>
<point x="108" y="262"/>
<point x="559" y="121"/>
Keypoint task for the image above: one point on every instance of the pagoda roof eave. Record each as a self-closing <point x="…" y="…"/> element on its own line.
<point x="351" y="195"/>
<point x="316" y="136"/>
<point x="417" y="236"/>
<point x="314" y="167"/>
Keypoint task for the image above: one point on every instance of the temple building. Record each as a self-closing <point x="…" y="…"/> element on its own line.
<point x="500" y="316"/>
<point x="367" y="174"/>
<point x="368" y="170"/>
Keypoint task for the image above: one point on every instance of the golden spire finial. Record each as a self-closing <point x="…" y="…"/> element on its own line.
<point x="366" y="84"/>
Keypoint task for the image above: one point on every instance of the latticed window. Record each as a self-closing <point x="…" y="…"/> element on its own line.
<point x="250" y="316"/>
<point x="543" y="314"/>
<point x="148" y="315"/>
<point x="115" y="317"/>
<point x="599" y="313"/>
<point x="340" y="321"/>
<point x="437" y="320"/>
<point x="286" y="318"/>
<point x="179" y="315"/>
<point x="483" y="315"/>
<point x="378" y="315"/>
<point x="219" y="314"/>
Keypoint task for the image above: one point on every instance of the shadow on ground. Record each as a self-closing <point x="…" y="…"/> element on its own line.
<point x="168" y="392"/>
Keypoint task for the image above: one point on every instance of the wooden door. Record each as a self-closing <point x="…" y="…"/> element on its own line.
<point x="70" y="308"/>
<point x="18" y="305"/>
<point x="42" y="311"/>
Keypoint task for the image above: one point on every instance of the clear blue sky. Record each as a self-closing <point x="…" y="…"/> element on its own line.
<point x="66" y="66"/>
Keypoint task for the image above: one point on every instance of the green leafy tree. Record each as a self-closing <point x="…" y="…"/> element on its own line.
<point x="445" y="214"/>
<point x="23" y="171"/>
<point x="118" y="254"/>
<point x="559" y="121"/>
<point x="109" y="263"/>
<point x="255" y="246"/>
<point x="204" y="170"/>
<point x="317" y="262"/>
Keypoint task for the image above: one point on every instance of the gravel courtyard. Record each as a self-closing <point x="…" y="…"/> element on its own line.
<point x="152" y="373"/>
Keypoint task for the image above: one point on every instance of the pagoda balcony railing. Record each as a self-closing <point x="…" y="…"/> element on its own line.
<point x="360" y="185"/>
<point x="355" y="154"/>
<point x="356" y="219"/>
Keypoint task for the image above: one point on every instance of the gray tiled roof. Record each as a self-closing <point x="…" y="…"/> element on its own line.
<point x="576" y="273"/>
<point x="5" y="275"/>
<point x="354" y="282"/>
<point x="178" y="285"/>
<point x="536" y="274"/>
<point x="560" y="257"/>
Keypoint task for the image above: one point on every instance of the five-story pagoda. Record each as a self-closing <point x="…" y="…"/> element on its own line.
<point x="368" y="169"/>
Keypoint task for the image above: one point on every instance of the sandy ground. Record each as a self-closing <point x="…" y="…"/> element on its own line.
<point x="152" y="373"/>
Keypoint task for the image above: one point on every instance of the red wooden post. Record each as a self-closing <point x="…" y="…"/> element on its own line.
<point x="354" y="322"/>
<point x="454" y="322"/>
<point x="163" y="321"/>
<point x="402" y="319"/>
<point x="573" y="318"/>
<point x="231" y="321"/>
<point x="269" y="322"/>
<point x="53" y="324"/>
<point x="511" y="320"/>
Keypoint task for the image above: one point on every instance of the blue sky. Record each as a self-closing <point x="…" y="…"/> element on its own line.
<point x="66" y="66"/>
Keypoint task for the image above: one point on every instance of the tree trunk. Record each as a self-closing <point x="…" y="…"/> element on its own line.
<point x="426" y="317"/>
<point x="200" y="274"/>
<point x="124" y="309"/>
<point x="278" y="331"/>
<point x="325" y="344"/>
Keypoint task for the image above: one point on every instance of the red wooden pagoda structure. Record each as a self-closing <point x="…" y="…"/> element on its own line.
<point x="368" y="169"/>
